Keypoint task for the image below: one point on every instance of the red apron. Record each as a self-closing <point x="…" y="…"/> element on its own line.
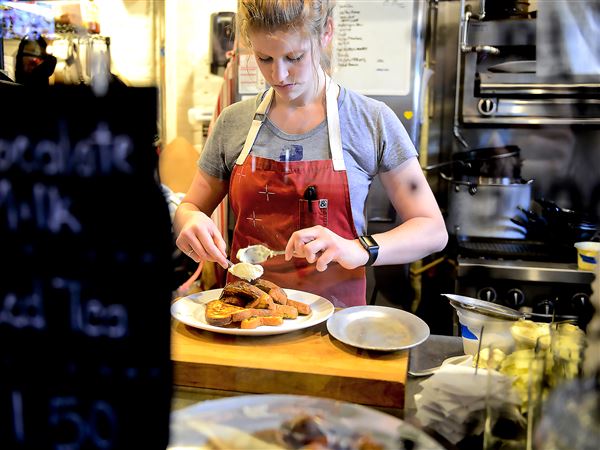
<point x="272" y="199"/>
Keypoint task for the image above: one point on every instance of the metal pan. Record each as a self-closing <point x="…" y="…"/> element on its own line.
<point x="377" y="328"/>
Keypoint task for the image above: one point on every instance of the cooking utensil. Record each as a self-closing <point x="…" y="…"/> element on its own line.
<point x="486" y="209"/>
<point x="488" y="162"/>
<point x="257" y="254"/>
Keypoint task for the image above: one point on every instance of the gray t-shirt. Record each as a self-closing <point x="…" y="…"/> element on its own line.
<point x="373" y="140"/>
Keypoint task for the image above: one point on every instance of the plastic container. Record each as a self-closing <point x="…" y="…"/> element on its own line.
<point x="496" y="320"/>
<point x="587" y="255"/>
<point x="496" y="331"/>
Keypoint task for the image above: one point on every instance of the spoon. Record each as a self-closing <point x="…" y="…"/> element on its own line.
<point x="257" y="254"/>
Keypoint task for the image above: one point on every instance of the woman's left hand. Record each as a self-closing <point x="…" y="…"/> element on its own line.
<point x="321" y="245"/>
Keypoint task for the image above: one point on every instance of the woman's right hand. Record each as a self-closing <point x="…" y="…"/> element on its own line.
<point x="200" y="239"/>
<point x="197" y="235"/>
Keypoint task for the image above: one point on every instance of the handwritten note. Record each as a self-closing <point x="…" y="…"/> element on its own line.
<point x="250" y="80"/>
<point x="372" y="46"/>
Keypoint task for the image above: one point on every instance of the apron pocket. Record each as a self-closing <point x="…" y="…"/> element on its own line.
<point x="313" y="214"/>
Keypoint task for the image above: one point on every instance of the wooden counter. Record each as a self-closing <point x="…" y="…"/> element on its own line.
<point x="304" y="362"/>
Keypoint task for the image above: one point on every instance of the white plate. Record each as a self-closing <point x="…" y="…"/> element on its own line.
<point x="231" y="422"/>
<point x="190" y="310"/>
<point x="377" y="328"/>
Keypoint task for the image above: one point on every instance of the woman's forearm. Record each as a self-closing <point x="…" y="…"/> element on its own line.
<point x="411" y="241"/>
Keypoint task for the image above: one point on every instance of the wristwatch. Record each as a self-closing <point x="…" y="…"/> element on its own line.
<point x="371" y="246"/>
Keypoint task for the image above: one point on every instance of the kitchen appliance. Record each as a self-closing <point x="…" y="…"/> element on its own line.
<point x="498" y="80"/>
<point x="552" y="123"/>
<point x="486" y="192"/>
<point x="535" y="277"/>
<point x="487" y="209"/>
<point x="538" y="274"/>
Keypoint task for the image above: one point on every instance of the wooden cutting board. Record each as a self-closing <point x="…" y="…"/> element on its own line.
<point x="304" y="362"/>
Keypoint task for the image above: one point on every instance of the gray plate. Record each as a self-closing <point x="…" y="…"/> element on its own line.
<point x="377" y="328"/>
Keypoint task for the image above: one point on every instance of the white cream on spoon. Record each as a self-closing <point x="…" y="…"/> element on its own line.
<point x="246" y="271"/>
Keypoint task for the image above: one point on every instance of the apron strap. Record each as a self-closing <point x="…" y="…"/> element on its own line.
<point x="333" y="125"/>
<point x="259" y="117"/>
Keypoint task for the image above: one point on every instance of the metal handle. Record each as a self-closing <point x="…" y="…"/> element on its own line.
<point x="464" y="47"/>
<point x="444" y="164"/>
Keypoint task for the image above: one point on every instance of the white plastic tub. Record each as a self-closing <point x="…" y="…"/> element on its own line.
<point x="496" y="331"/>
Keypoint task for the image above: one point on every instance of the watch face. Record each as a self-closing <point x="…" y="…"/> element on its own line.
<point x="368" y="241"/>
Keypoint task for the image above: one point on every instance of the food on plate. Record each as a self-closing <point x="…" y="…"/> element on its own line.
<point x="219" y="313"/>
<point x="254" y="297"/>
<point x="278" y="294"/>
<point x="230" y="299"/>
<point x="302" y="308"/>
<point x="257" y="321"/>
<point x="288" y="311"/>
<point x="307" y="431"/>
<point x="248" y="313"/>
<point x="244" y="305"/>
<point x="246" y="271"/>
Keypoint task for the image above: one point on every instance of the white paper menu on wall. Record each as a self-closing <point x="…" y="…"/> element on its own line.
<point x="250" y="80"/>
<point x="372" y="46"/>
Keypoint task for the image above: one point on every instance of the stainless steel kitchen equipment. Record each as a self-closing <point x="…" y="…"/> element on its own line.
<point x="550" y="118"/>
<point x="558" y="137"/>
<point x="548" y="289"/>
<point x="487" y="208"/>
<point x="538" y="274"/>
<point x="501" y="83"/>
<point x="486" y="192"/>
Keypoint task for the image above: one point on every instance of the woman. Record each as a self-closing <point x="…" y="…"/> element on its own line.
<point x="297" y="163"/>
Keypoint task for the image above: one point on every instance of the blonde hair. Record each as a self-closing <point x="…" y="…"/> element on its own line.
<point x="307" y="16"/>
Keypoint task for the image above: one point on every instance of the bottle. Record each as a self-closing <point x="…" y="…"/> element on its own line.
<point x="91" y="16"/>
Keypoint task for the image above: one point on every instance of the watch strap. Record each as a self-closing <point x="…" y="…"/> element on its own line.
<point x="371" y="246"/>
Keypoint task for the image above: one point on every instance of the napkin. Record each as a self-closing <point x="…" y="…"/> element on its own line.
<point x="454" y="399"/>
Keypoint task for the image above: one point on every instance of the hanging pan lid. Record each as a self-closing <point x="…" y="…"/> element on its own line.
<point x="483" y="307"/>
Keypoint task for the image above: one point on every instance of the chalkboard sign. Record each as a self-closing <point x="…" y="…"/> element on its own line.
<point x="85" y="251"/>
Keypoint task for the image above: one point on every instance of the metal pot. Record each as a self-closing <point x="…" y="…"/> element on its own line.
<point x="484" y="207"/>
<point x="489" y="162"/>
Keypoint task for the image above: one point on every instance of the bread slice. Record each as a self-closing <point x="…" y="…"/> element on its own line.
<point x="253" y="295"/>
<point x="302" y="308"/>
<point x="289" y="312"/>
<point x="255" y="322"/>
<point x="278" y="294"/>
<point x="261" y="303"/>
<point x="237" y="301"/>
<point x="219" y="313"/>
<point x="252" y="312"/>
